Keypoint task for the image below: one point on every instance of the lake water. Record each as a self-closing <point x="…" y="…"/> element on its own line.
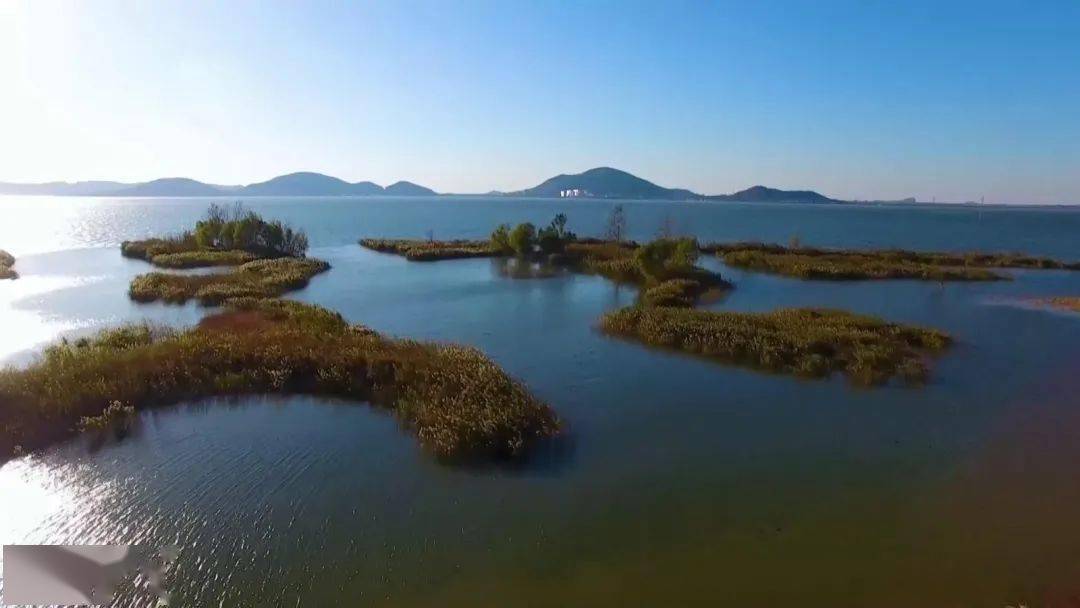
<point x="681" y="482"/>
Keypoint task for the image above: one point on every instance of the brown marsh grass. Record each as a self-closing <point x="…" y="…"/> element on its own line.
<point x="800" y="341"/>
<point x="456" y="401"/>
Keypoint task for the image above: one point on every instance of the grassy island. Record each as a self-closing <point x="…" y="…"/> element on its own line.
<point x="852" y="264"/>
<point x="224" y="237"/>
<point x="260" y="279"/>
<point x="806" y="342"/>
<point x="6" y="263"/>
<point x="431" y="250"/>
<point x="664" y="269"/>
<point x="268" y="258"/>
<point x="457" y="402"/>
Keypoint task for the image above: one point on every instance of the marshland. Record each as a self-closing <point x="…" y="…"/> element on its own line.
<point x="661" y="457"/>
<point x="854" y="264"/>
<point x="456" y="401"/>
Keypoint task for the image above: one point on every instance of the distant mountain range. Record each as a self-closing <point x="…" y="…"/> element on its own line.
<point x="293" y="184"/>
<point x="601" y="182"/>
<point x="605" y="182"/>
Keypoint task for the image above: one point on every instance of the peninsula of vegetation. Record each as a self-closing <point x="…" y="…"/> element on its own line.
<point x="855" y="264"/>
<point x="457" y="402"/>
<point x="268" y="257"/>
<point x="664" y="269"/>
<point x="6" y="263"/>
<point x="805" y="342"/>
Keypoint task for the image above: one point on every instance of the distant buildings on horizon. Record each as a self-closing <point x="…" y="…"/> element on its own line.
<point x="574" y="193"/>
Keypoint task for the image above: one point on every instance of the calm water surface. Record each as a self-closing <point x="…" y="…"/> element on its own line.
<point x="681" y="482"/>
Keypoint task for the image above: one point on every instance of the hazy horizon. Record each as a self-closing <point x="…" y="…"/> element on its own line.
<point x="952" y="103"/>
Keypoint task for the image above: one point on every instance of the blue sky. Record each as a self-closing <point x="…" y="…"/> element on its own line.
<point x="951" y="100"/>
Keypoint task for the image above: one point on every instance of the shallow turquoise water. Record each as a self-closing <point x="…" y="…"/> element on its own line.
<point x="680" y="482"/>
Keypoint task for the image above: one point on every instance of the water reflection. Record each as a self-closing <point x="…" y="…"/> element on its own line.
<point x="519" y="268"/>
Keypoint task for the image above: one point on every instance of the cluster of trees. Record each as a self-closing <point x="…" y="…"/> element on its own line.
<point x="667" y="257"/>
<point x="238" y="228"/>
<point x="524" y="239"/>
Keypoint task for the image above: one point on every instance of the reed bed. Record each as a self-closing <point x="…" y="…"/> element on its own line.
<point x="184" y="252"/>
<point x="456" y="401"/>
<point x="259" y="278"/>
<point x="203" y="259"/>
<point x="853" y="264"/>
<point x="1071" y="303"/>
<point x="805" y="342"/>
<point x="430" y="251"/>
<point x="673" y="292"/>
<point x="6" y="262"/>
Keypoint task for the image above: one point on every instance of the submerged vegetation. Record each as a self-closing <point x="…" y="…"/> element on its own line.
<point x="224" y="237"/>
<point x="259" y="278"/>
<point x="456" y="401"/>
<point x="807" y="342"/>
<point x="850" y="264"/>
<point x="6" y="263"/>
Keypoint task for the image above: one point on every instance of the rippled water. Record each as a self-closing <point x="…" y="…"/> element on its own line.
<point x="681" y="482"/>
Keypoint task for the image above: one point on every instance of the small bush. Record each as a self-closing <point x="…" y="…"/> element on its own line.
<point x="523" y="239"/>
<point x="500" y="239"/>
<point x="115" y="414"/>
<point x="6" y="262"/>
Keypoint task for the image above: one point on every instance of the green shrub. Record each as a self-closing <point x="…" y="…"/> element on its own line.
<point x="554" y="238"/>
<point x="6" y="262"/>
<point x="523" y="239"/>
<point x="500" y="239"/>
<point x="665" y="258"/>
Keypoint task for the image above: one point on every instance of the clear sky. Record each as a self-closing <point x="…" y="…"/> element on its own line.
<point x="860" y="99"/>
